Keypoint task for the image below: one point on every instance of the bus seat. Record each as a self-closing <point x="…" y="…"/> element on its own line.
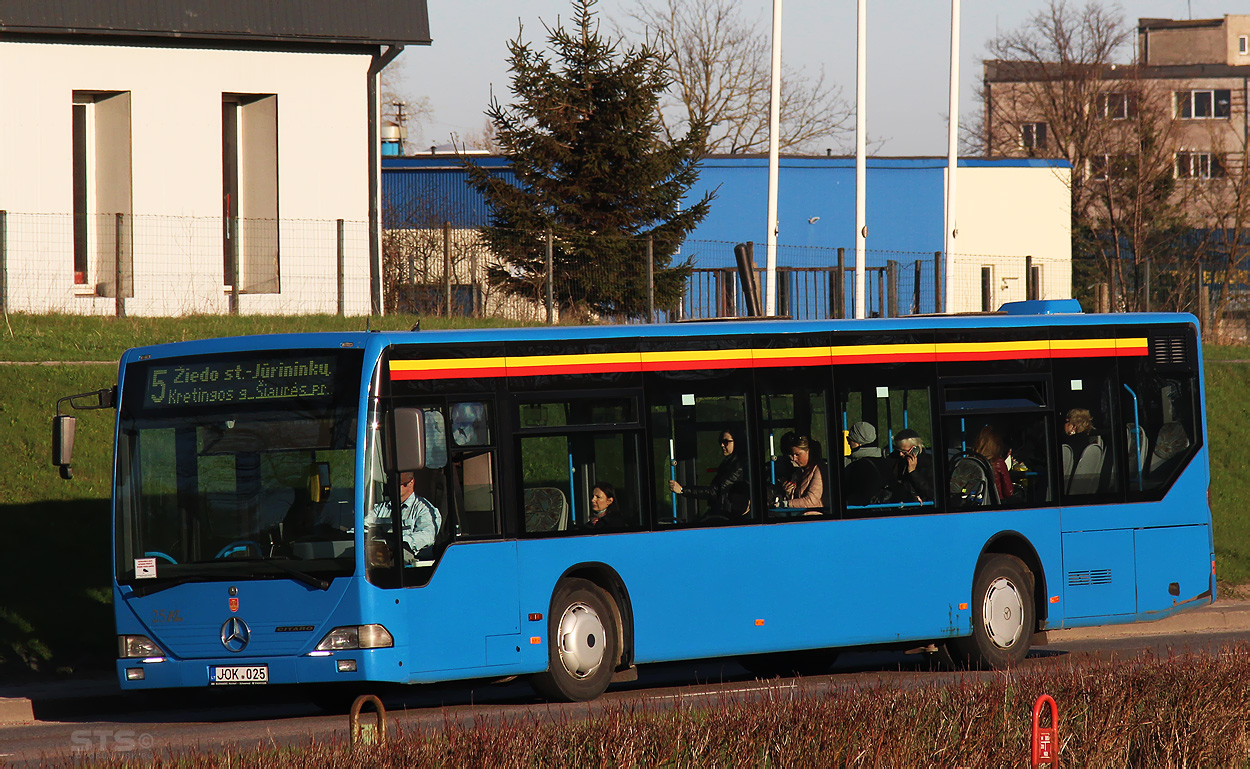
<point x="971" y="482"/>
<point x="546" y="509"/>
<point x="1088" y="470"/>
<point x="1069" y="461"/>
<point x="1171" y="443"/>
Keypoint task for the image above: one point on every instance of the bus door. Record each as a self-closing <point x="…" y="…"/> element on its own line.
<point x="462" y="562"/>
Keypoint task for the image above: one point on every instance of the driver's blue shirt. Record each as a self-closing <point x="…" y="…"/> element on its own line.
<point x="419" y="520"/>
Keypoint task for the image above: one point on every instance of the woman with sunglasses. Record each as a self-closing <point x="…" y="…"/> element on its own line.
<point x="728" y="493"/>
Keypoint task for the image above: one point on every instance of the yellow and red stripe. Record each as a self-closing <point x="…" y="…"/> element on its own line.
<point x="744" y="358"/>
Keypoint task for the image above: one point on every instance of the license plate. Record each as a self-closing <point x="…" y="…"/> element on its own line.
<point x="238" y="674"/>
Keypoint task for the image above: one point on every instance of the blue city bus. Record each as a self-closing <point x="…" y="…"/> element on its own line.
<point x="1032" y="469"/>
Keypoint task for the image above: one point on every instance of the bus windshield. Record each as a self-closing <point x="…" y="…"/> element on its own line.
<point x="238" y="466"/>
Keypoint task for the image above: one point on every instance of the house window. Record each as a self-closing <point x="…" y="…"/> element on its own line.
<point x="1199" y="165"/>
<point x="101" y="191"/>
<point x="1116" y="106"/>
<point x="1200" y="104"/>
<point x="1033" y="136"/>
<point x="1105" y="166"/>
<point x="249" y="175"/>
<point x="1243" y="45"/>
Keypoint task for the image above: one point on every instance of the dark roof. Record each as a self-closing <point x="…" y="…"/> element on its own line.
<point x="999" y="71"/>
<point x="1144" y="24"/>
<point x="318" y="21"/>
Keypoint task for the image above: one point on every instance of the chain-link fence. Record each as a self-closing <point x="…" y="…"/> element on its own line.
<point x="177" y="265"/>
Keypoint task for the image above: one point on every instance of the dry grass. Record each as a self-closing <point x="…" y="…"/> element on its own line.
<point x="1181" y="711"/>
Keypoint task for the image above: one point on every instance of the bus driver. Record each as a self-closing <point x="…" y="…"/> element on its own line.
<point x="419" y="519"/>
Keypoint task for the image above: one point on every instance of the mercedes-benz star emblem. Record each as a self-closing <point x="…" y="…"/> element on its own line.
<point x="235" y="634"/>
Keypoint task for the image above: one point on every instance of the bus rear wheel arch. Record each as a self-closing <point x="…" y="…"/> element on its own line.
<point x="1003" y="614"/>
<point x="582" y="643"/>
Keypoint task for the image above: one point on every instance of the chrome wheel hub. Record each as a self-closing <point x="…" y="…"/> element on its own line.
<point x="581" y="640"/>
<point x="1003" y="613"/>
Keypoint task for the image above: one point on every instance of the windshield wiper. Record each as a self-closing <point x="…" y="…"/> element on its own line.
<point x="153" y="586"/>
<point x="300" y="576"/>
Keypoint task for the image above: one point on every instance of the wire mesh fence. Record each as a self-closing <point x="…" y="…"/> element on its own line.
<point x="177" y="265"/>
<point x="171" y="265"/>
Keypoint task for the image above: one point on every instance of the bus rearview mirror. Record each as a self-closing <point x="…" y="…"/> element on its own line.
<point x="407" y="440"/>
<point x="63" y="428"/>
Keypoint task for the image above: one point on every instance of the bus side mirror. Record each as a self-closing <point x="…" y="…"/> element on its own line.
<point x="63" y="427"/>
<point x="407" y="440"/>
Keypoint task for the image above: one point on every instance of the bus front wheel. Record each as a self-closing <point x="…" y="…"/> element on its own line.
<point x="581" y="643"/>
<point x="1003" y="615"/>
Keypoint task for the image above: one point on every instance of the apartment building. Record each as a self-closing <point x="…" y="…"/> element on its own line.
<point x="1192" y="76"/>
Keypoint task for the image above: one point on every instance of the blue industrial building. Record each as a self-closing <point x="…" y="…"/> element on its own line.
<point x="1009" y="208"/>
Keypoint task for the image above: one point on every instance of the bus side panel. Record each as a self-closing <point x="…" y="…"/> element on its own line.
<point x="739" y="590"/>
<point x="1185" y="503"/>
<point x="466" y="618"/>
<point x="1098" y="572"/>
<point x="1172" y="568"/>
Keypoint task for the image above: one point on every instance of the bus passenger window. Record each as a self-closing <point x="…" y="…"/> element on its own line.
<point x="886" y="453"/>
<point x="569" y="458"/>
<point x="997" y="460"/>
<point x="702" y="451"/>
<point x="1159" y="399"/>
<point x="795" y="434"/>
<point x="1085" y="394"/>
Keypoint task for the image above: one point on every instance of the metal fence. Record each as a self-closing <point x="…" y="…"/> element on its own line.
<point x="171" y="265"/>
<point x="448" y="271"/>
<point x="118" y="264"/>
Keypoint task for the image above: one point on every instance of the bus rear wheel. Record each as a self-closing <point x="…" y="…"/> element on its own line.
<point x="581" y="644"/>
<point x="1003" y="615"/>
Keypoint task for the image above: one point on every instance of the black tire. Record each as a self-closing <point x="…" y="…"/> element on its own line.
<point x="582" y="650"/>
<point x="811" y="662"/>
<point x="1004" y="615"/>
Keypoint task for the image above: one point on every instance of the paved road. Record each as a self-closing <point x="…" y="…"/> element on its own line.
<point x="75" y="718"/>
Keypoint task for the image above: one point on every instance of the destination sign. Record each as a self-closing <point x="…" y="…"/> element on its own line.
<point x="224" y="382"/>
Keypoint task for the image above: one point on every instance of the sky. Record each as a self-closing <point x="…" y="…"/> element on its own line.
<point x="908" y="55"/>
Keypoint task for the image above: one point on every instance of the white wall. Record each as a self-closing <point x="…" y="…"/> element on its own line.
<point x="176" y="153"/>
<point x="1004" y="215"/>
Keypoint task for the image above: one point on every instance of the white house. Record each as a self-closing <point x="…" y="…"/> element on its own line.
<point x="168" y="158"/>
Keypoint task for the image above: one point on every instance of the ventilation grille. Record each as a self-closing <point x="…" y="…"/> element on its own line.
<point x="1169" y="350"/>
<point x="1093" y="577"/>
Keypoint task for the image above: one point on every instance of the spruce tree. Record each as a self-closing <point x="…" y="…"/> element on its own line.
<point x="584" y="141"/>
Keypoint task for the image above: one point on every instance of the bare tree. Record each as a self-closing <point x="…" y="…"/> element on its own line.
<point x="1053" y="89"/>
<point x="484" y="139"/>
<point x="1215" y="186"/>
<point x="403" y="109"/>
<point x="720" y="64"/>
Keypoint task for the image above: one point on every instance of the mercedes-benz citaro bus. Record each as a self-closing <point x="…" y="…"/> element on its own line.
<point x="776" y="491"/>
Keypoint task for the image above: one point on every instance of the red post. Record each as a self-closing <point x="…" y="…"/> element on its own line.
<point x="1045" y="740"/>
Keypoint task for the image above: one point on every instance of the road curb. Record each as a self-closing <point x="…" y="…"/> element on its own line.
<point x="1209" y="619"/>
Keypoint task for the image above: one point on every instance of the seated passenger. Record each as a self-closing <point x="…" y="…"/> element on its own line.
<point x="864" y="479"/>
<point x="862" y="438"/>
<point x="1078" y="430"/>
<point x="806" y="488"/>
<point x="913" y="468"/>
<point x="604" y="513"/>
<point x="728" y="492"/>
<point x="989" y="444"/>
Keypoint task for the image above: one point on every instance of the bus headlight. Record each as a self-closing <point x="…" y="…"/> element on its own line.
<point x="356" y="637"/>
<point x="137" y="646"/>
